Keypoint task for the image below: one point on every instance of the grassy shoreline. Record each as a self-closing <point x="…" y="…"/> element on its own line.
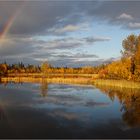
<point x="86" y="81"/>
<point x="117" y="83"/>
<point x="49" y="80"/>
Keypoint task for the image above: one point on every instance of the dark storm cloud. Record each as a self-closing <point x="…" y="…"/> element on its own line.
<point x="37" y="17"/>
<point x="15" y="48"/>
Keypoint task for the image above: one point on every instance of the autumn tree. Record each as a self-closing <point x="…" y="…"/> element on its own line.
<point x="45" y="68"/>
<point x="137" y="62"/>
<point x="130" y="46"/>
<point x="3" y="68"/>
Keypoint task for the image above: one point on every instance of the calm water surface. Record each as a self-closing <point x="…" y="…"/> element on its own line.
<point x="30" y="110"/>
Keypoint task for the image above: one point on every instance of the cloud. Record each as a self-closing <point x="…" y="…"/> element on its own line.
<point x="97" y="39"/>
<point x="69" y="42"/>
<point x="39" y="17"/>
<point x="15" y="47"/>
<point x="78" y="56"/>
<point x="63" y="26"/>
<point x="67" y="28"/>
<point x="56" y="51"/>
<point x="65" y="58"/>
<point x="61" y="44"/>
<point x="125" y="16"/>
<point x="60" y="29"/>
<point x="74" y="62"/>
<point x="36" y="16"/>
<point x="134" y="25"/>
<point x="109" y="10"/>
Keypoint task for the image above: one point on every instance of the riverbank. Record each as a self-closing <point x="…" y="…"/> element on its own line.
<point x="53" y="75"/>
<point x="67" y="80"/>
<point x="117" y="83"/>
<point x="48" y="80"/>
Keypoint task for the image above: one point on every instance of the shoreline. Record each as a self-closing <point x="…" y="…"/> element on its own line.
<point x="117" y="83"/>
<point x="49" y="80"/>
<point x="66" y="80"/>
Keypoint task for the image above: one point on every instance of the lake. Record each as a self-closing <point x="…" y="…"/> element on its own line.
<point x="33" y="110"/>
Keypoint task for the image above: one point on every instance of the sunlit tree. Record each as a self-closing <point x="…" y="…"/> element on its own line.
<point x="137" y="62"/>
<point x="45" y="66"/>
<point x="129" y="46"/>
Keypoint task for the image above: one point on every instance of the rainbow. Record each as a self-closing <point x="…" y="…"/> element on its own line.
<point x="9" y="23"/>
<point x="6" y="28"/>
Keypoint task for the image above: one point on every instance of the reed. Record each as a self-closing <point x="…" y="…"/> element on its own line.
<point x="70" y="80"/>
<point x="49" y="80"/>
<point x="53" y="75"/>
<point x="117" y="83"/>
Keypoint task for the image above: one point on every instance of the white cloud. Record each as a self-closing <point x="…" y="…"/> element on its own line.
<point x="67" y="28"/>
<point x="125" y="16"/>
<point x="61" y="30"/>
<point x="135" y="25"/>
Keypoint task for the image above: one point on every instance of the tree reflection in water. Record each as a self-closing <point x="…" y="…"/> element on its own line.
<point x="3" y="115"/>
<point x="130" y="101"/>
<point x="44" y="88"/>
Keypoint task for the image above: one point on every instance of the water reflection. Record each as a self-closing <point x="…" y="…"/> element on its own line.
<point x="130" y="103"/>
<point x="69" y="111"/>
<point x="4" y="83"/>
<point x="44" y="88"/>
<point x="3" y="115"/>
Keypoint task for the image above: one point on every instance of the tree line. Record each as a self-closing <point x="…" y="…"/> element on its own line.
<point x="45" y="67"/>
<point x="128" y="67"/>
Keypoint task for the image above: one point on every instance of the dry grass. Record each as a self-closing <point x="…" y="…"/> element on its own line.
<point x="86" y="81"/>
<point x="117" y="83"/>
<point x="49" y="80"/>
<point x="52" y="75"/>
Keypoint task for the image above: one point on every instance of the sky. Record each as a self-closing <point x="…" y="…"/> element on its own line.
<point x="71" y="33"/>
